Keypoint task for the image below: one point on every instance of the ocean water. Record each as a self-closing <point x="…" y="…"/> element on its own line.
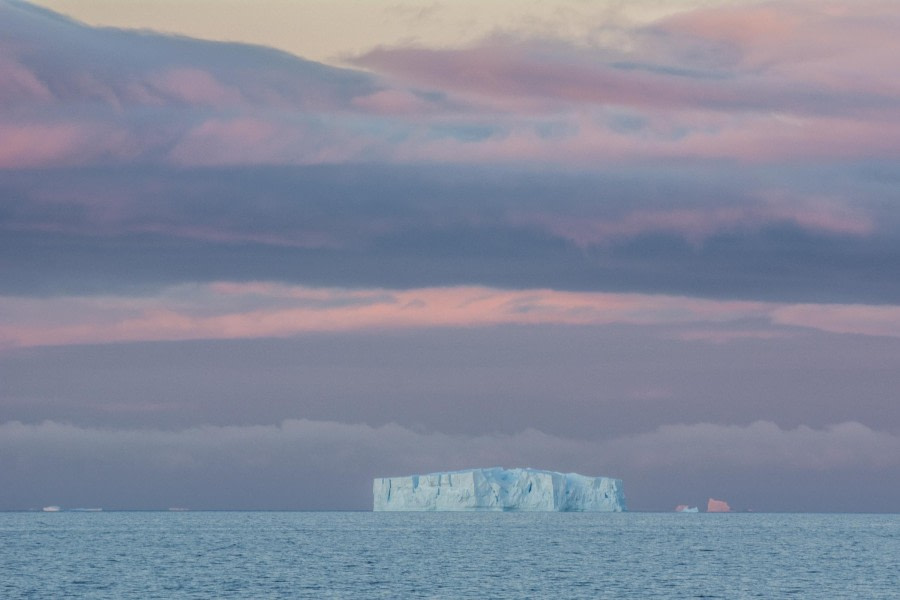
<point x="447" y="555"/>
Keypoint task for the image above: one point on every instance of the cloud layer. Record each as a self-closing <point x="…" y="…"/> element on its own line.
<point x="746" y="82"/>
<point x="702" y="154"/>
<point x="258" y="310"/>
<point x="73" y="95"/>
<point x="314" y="464"/>
<point x="716" y="232"/>
<point x="664" y="247"/>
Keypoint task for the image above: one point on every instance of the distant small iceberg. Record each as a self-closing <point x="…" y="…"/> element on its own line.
<point x="51" y="509"/>
<point x="717" y="506"/>
<point x="684" y="508"/>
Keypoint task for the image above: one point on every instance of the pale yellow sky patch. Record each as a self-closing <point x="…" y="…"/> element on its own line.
<point x="328" y="30"/>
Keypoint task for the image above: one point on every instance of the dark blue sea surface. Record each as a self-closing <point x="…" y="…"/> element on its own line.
<point x="447" y="555"/>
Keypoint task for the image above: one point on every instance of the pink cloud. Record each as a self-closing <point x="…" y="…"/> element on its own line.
<point x="748" y="26"/>
<point x="229" y="141"/>
<point x="792" y="81"/>
<point x="812" y="41"/>
<point x="19" y="84"/>
<point x="195" y="87"/>
<point x="235" y="310"/>
<point x="226" y="310"/>
<point x="825" y="47"/>
<point x="516" y="72"/>
<point x="61" y="143"/>
<point x="782" y="57"/>
<point x="37" y="144"/>
<point x="184" y="313"/>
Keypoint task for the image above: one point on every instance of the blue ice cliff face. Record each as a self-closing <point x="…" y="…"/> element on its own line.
<point x="498" y="489"/>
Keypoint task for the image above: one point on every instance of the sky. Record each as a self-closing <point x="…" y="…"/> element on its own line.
<point x="255" y="254"/>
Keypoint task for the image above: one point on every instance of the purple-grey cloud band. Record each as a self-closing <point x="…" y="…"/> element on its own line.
<point x="76" y="231"/>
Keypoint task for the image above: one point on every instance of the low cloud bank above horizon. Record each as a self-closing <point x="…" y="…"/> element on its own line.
<point x="347" y="457"/>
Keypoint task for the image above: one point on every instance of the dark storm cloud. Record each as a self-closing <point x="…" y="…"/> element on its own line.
<point x="681" y="232"/>
<point x="778" y="264"/>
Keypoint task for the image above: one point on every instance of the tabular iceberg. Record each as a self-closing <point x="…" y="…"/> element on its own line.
<point x="498" y="489"/>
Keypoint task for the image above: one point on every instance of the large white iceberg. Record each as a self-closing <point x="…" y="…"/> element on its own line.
<point x="498" y="489"/>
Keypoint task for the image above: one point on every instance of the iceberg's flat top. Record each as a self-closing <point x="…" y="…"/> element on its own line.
<point x="498" y="489"/>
